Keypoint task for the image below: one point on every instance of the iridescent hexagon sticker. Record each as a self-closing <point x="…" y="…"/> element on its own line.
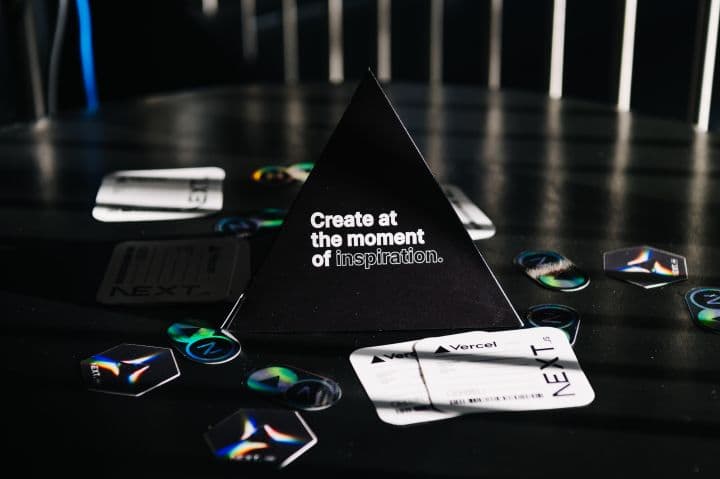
<point x="645" y="266"/>
<point x="261" y="436"/>
<point x="129" y="369"/>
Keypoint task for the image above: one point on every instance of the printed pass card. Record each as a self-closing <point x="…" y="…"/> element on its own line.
<point x="157" y="195"/>
<point x="391" y="377"/>
<point x="519" y="370"/>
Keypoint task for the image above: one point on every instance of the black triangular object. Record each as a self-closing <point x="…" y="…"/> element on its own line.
<point x="371" y="165"/>
<point x="440" y="349"/>
<point x="377" y="360"/>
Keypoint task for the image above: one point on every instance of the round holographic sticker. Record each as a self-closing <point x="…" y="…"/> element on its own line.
<point x="272" y="380"/>
<point x="313" y="394"/>
<point x="237" y="225"/>
<point x="704" y="305"/>
<point x="269" y="217"/>
<point x="250" y="223"/>
<point x="706" y="298"/>
<point x="555" y="316"/>
<point x="204" y="345"/>
<point x="552" y="270"/>
<point x="272" y="175"/>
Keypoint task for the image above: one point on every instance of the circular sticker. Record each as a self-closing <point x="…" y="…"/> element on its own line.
<point x="269" y="217"/>
<point x="564" y="280"/>
<point x="204" y="345"/>
<point x="552" y="270"/>
<point x="706" y="298"/>
<point x="272" y="175"/>
<point x="533" y="259"/>
<point x="273" y="380"/>
<point x="237" y="225"/>
<point x="555" y="316"/>
<point x="213" y="349"/>
<point x="313" y="394"/>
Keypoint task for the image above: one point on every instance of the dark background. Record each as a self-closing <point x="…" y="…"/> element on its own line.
<point x="144" y="47"/>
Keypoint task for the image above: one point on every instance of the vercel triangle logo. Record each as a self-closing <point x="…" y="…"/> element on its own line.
<point x="371" y="242"/>
<point x="387" y="357"/>
<point x="465" y="347"/>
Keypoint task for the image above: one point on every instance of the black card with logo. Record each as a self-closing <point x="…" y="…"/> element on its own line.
<point x="176" y="271"/>
<point x="372" y="243"/>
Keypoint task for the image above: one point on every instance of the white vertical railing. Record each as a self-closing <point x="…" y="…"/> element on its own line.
<point x="436" y="41"/>
<point x="626" y="55"/>
<point x="557" y="51"/>
<point x="703" y="120"/>
<point x="495" y="49"/>
<point x="383" y="40"/>
<point x="335" y="41"/>
<point x="290" y="40"/>
<point x="249" y="30"/>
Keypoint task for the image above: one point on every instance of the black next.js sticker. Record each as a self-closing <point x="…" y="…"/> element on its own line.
<point x="129" y="369"/>
<point x="704" y="305"/>
<point x="202" y="344"/>
<point x="295" y="387"/>
<point x="261" y="436"/>
<point x="176" y="271"/>
<point x="376" y="247"/>
<point x="558" y="316"/>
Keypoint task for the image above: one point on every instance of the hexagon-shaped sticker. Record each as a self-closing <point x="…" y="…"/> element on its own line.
<point x="129" y="369"/>
<point x="261" y="436"/>
<point x="645" y="266"/>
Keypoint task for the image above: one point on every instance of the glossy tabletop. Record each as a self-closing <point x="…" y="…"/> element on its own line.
<point x="561" y="175"/>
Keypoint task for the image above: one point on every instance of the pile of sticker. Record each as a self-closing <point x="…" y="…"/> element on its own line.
<point x="265" y="436"/>
<point x="643" y="266"/>
<point x="275" y="437"/>
<point x="443" y="377"/>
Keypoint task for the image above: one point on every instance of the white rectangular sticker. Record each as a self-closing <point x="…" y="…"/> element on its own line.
<point x="391" y="378"/>
<point x="519" y="370"/>
<point x="155" y="195"/>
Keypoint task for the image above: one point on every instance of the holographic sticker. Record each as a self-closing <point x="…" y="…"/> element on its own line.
<point x="129" y="369"/>
<point x="704" y="305"/>
<point x="272" y="175"/>
<point x="269" y="217"/>
<point x="251" y="223"/>
<point x="204" y="345"/>
<point x="272" y="380"/>
<point x="295" y="387"/>
<point x="261" y="436"/>
<point x="237" y="225"/>
<point x="552" y="270"/>
<point x="300" y="171"/>
<point x="558" y="316"/>
<point x="645" y="266"/>
<point x="313" y="394"/>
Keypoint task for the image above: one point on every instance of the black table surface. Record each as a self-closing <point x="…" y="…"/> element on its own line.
<point x="562" y="175"/>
